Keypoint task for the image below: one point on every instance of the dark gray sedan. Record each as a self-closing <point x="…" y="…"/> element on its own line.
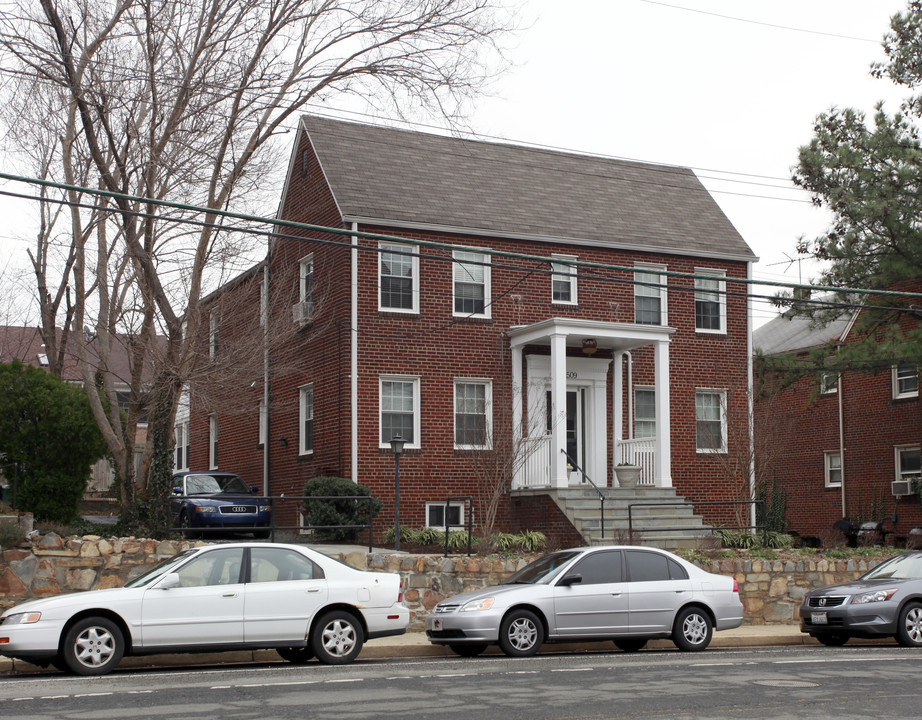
<point x="623" y="594"/>
<point x="884" y="602"/>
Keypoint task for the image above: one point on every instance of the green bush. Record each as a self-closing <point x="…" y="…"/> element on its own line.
<point x="744" y="540"/>
<point x="326" y="510"/>
<point x="11" y="535"/>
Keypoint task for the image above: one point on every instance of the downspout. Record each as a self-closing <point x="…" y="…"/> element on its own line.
<point x="750" y="400"/>
<point x="354" y="355"/>
<point x="841" y="443"/>
<point x="264" y="301"/>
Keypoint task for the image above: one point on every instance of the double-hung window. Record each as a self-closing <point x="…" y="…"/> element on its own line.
<point x="563" y="280"/>
<point x="306" y="415"/>
<point x="471" y="283"/>
<point x="473" y="400"/>
<point x="905" y="381"/>
<point x="644" y="412"/>
<point x="710" y="301"/>
<point x="213" y="442"/>
<point x="398" y="278"/>
<point x="181" y="433"/>
<point x="833" y="468"/>
<point x="649" y="295"/>
<point x="304" y="310"/>
<point x="399" y="410"/>
<point x="908" y="463"/>
<point x="213" y="336"/>
<point x="710" y="421"/>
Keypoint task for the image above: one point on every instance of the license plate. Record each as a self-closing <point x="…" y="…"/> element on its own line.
<point x="818" y="618"/>
<point x="436" y="624"/>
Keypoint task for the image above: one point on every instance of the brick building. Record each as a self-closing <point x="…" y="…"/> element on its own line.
<point x="483" y="300"/>
<point x="848" y="440"/>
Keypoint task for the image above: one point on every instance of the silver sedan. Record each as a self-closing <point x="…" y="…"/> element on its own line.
<point x="625" y="594"/>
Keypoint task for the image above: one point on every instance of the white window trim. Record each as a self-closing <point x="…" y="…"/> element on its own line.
<point x="895" y="380"/>
<point x="722" y="393"/>
<point x="488" y="412"/>
<point x="663" y="294"/>
<point x="898" y="464"/>
<point x="213" y="323"/>
<point x="568" y="276"/>
<point x="417" y="424"/>
<point x="442" y="504"/>
<point x="303" y="392"/>
<point x="721" y="299"/>
<point x="414" y="250"/>
<point x="487" y="282"/>
<point x="212" y="441"/>
<point x="827" y="469"/>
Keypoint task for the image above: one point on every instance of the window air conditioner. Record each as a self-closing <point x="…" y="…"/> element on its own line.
<point x="303" y="311"/>
<point x="901" y="487"/>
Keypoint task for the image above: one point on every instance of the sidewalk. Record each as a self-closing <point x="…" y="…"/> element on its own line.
<point x="415" y="644"/>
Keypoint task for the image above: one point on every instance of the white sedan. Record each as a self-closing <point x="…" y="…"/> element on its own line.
<point x="213" y="598"/>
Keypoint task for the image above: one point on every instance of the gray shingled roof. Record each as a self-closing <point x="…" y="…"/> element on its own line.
<point x="418" y="179"/>
<point x="792" y="333"/>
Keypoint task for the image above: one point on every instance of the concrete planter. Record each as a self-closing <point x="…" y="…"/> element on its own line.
<point x="628" y="475"/>
<point x="22" y="520"/>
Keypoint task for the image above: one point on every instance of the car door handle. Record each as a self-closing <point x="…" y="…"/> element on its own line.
<point x="313" y="590"/>
<point x="616" y="594"/>
<point x="229" y="595"/>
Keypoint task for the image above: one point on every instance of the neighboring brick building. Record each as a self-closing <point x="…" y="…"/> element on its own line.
<point x="503" y="280"/>
<point x="841" y="445"/>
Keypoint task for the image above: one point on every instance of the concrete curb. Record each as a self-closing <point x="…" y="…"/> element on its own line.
<point x="415" y="645"/>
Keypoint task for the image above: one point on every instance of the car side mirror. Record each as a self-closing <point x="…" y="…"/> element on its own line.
<point x="170" y="580"/>
<point x="569" y="580"/>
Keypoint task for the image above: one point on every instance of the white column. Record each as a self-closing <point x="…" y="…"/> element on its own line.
<point x="617" y="401"/>
<point x="598" y="431"/>
<point x="662" y="452"/>
<point x="518" y="390"/>
<point x="558" y="410"/>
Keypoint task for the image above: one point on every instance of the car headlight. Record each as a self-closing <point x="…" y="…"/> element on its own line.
<point x="482" y="604"/>
<point x="264" y="508"/>
<point x="206" y="509"/>
<point x="872" y="597"/>
<point x="22" y="618"/>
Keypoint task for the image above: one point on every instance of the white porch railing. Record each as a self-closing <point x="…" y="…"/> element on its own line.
<point x="639" y="452"/>
<point x="536" y="470"/>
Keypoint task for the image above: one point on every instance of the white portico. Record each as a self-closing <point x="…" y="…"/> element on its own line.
<point x="565" y="401"/>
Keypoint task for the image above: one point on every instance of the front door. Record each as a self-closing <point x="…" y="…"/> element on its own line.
<point x="576" y="430"/>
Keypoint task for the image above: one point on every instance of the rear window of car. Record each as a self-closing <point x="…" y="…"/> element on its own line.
<point x="649" y="567"/>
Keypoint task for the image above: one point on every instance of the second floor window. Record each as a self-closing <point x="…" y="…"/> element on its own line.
<point x="213" y="336"/>
<point x="710" y="302"/>
<point x="471" y="283"/>
<point x="649" y="297"/>
<point x="563" y="281"/>
<point x="905" y="381"/>
<point x="398" y="278"/>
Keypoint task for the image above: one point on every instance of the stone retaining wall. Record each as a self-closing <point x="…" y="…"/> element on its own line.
<point x="771" y="590"/>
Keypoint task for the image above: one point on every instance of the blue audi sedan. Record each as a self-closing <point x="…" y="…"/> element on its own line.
<point x="213" y="503"/>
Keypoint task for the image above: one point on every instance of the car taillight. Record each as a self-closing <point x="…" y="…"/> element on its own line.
<point x="736" y="586"/>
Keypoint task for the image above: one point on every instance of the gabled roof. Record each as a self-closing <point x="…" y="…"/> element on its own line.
<point x="790" y="333"/>
<point x="400" y="178"/>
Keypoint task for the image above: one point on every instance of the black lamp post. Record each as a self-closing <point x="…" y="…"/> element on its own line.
<point x="397" y="448"/>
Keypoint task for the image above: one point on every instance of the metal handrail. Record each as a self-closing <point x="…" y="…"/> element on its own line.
<point x="596" y="487"/>
<point x="631" y="506"/>
<point x="470" y="520"/>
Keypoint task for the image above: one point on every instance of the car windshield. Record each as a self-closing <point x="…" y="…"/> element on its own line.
<point x="901" y="567"/>
<point x="542" y="570"/>
<point x="208" y="484"/>
<point x="158" y="570"/>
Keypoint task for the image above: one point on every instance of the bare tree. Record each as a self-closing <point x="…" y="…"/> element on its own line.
<point x="180" y="101"/>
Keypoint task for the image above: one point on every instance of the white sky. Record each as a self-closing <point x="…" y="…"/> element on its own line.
<point x="721" y="86"/>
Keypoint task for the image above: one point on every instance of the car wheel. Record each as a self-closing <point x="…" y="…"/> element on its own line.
<point x="337" y="638"/>
<point x="296" y="655"/>
<point x="521" y="633"/>
<point x="185" y="525"/>
<point x="692" y="630"/>
<point x="630" y="644"/>
<point x="467" y="649"/>
<point x="93" y="646"/>
<point x="909" y="627"/>
<point x="832" y="639"/>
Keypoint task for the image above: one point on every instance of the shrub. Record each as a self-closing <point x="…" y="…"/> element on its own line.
<point x="324" y="509"/>
<point x="11" y="535"/>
